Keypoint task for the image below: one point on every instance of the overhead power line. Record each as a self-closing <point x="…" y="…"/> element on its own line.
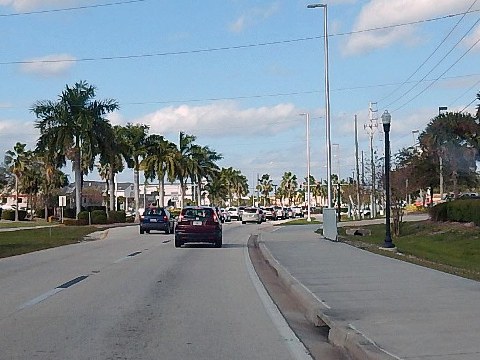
<point x="71" y="8"/>
<point x="430" y="56"/>
<point x="224" y="48"/>
<point x="436" y="65"/>
<point x="435" y="80"/>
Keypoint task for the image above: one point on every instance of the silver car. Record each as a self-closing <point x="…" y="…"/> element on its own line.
<point x="252" y="214"/>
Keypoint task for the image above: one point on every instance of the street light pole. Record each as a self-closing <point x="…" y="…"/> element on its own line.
<point x="386" y="119"/>
<point x="327" y="102"/>
<point x="307" y="116"/>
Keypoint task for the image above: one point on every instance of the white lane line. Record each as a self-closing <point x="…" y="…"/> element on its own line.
<point x="295" y="346"/>
<point x="40" y="298"/>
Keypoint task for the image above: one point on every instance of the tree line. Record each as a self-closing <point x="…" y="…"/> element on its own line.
<point x="75" y="129"/>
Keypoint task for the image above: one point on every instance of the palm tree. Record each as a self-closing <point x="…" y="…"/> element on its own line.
<point x="216" y="188"/>
<point x="112" y="152"/>
<point x="184" y="162"/>
<point x="52" y="179"/>
<point x="160" y="160"/>
<point x="73" y="128"/>
<point x="16" y="162"/>
<point x="265" y="186"/>
<point x="288" y="185"/>
<point x="134" y="137"/>
<point x="203" y="166"/>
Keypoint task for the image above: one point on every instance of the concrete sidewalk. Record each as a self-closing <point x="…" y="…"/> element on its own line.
<point x="377" y="307"/>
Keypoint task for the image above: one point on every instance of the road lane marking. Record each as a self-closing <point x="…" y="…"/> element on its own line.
<point x="294" y="345"/>
<point x="128" y="257"/>
<point x="52" y="292"/>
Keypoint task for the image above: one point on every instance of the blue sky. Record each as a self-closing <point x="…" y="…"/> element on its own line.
<point x="237" y="73"/>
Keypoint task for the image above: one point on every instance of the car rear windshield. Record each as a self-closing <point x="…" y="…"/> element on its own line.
<point x="154" y="211"/>
<point x="198" y="213"/>
<point x="252" y="211"/>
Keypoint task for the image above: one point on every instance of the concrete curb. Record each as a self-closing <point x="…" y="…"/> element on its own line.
<point x="356" y="344"/>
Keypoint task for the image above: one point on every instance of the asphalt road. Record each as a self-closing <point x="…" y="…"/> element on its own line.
<point x="131" y="296"/>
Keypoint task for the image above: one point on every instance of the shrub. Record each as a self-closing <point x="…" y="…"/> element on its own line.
<point x="116" y="217"/>
<point x="10" y="215"/>
<point x="69" y="213"/>
<point x="439" y="212"/>
<point x="467" y="210"/>
<point x="83" y="215"/>
<point x="75" y="222"/>
<point x="99" y="217"/>
<point x="40" y="213"/>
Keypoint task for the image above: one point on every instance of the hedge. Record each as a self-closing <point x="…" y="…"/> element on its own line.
<point x="99" y="217"/>
<point x="74" y="222"/>
<point x="10" y="215"/>
<point x="117" y="217"/>
<point x="465" y="210"/>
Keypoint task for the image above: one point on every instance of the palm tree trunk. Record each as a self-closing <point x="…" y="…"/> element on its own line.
<point x="78" y="183"/>
<point x="16" y="197"/>
<point x="161" y="188"/>
<point x="199" y="191"/>
<point x="111" y="184"/>
<point x="136" y="189"/>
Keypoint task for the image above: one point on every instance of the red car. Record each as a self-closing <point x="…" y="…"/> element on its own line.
<point x="198" y="224"/>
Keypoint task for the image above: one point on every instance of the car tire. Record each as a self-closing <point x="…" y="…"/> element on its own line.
<point x="141" y="231"/>
<point x="218" y="243"/>
<point x="178" y="243"/>
<point x="167" y="230"/>
<point x="244" y="222"/>
<point x="148" y="231"/>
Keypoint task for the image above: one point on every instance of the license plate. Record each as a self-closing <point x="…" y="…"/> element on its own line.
<point x="153" y="220"/>
<point x="197" y="223"/>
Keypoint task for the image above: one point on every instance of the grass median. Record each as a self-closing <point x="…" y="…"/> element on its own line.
<point x="24" y="241"/>
<point x="449" y="247"/>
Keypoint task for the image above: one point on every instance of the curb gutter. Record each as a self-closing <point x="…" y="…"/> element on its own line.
<point x="357" y="345"/>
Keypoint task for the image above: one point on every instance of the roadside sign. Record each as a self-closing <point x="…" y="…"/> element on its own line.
<point x="62" y="201"/>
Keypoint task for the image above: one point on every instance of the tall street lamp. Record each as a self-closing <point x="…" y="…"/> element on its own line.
<point x="327" y="102"/>
<point x="386" y="119"/>
<point x="307" y="116"/>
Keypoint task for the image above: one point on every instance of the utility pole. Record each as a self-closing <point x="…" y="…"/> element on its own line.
<point x="363" y="171"/>
<point x="357" y="168"/>
<point x="370" y="128"/>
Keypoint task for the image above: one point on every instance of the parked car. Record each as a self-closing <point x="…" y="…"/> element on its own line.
<point x="297" y="211"/>
<point x="280" y="212"/>
<point x="289" y="213"/>
<point x="270" y="213"/>
<point x="157" y="218"/>
<point x="226" y="215"/>
<point x="252" y="214"/>
<point x="233" y="211"/>
<point x="198" y="224"/>
<point x="240" y="212"/>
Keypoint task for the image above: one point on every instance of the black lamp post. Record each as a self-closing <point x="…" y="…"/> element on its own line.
<point x="386" y="119"/>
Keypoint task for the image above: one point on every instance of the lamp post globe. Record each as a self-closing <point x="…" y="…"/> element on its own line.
<point x="386" y="120"/>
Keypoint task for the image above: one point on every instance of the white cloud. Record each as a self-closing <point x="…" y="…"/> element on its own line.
<point x="472" y="39"/>
<point x="380" y="13"/>
<point x="50" y="65"/>
<point x="221" y="118"/>
<point x="252" y="17"/>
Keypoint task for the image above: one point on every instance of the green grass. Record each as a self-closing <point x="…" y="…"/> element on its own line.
<point x="16" y="224"/>
<point x="450" y="247"/>
<point x="300" y="221"/>
<point x="25" y="241"/>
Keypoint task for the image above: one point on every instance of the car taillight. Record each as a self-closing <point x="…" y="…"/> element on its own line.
<point x="165" y="218"/>
<point x="180" y="217"/>
<point x="215" y="217"/>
